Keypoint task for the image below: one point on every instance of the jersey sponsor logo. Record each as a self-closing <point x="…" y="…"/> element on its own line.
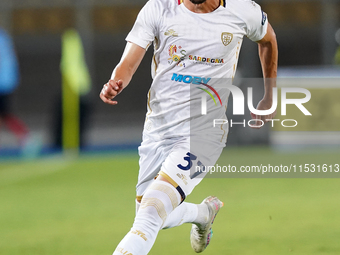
<point x="171" y="32"/>
<point x="213" y="90"/>
<point x="189" y="79"/>
<point x="196" y="80"/>
<point x="226" y="38"/>
<point x="264" y="18"/>
<point x="177" y="54"/>
<point x="206" y="60"/>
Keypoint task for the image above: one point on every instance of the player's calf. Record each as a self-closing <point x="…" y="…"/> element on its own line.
<point x="159" y="200"/>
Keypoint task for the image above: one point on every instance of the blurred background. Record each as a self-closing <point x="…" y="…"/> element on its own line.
<point x="306" y="32"/>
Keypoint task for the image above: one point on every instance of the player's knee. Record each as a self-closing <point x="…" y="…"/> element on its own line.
<point x="174" y="185"/>
<point x="159" y="200"/>
<point x="166" y="192"/>
<point x="150" y="216"/>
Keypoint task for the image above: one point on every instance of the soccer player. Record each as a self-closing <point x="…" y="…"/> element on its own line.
<point x="196" y="49"/>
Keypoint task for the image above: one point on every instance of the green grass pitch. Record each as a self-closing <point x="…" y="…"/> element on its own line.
<point x="86" y="205"/>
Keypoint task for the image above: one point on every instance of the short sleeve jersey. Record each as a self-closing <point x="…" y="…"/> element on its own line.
<point x="191" y="50"/>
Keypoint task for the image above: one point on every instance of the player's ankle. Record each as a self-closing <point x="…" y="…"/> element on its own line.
<point x="203" y="215"/>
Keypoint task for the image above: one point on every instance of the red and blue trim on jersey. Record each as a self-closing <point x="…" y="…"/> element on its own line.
<point x="223" y="2"/>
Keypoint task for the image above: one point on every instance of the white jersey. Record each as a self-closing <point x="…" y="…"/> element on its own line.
<point x="192" y="52"/>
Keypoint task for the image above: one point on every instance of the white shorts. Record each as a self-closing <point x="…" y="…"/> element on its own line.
<point x="178" y="160"/>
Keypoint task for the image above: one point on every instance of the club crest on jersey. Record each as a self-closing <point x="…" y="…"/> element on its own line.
<point x="226" y="38"/>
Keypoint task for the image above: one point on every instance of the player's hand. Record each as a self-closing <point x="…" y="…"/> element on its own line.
<point x="264" y="104"/>
<point x="111" y="90"/>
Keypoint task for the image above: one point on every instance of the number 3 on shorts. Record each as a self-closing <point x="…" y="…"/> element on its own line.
<point x="190" y="157"/>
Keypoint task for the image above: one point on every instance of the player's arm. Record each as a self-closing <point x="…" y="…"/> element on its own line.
<point x="122" y="74"/>
<point x="268" y="53"/>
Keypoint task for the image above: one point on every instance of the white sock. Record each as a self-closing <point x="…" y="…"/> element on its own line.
<point x="203" y="214"/>
<point x="159" y="200"/>
<point x="187" y="213"/>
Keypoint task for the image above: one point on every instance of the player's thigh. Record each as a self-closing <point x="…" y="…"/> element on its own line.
<point x="185" y="165"/>
<point x="152" y="155"/>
